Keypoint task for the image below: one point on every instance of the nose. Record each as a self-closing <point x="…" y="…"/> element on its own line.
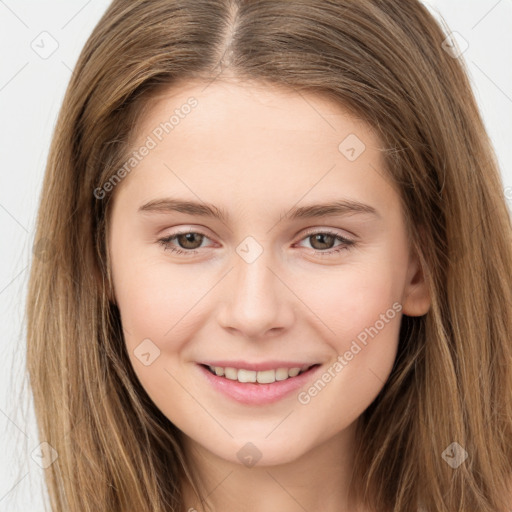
<point x="256" y="301"/>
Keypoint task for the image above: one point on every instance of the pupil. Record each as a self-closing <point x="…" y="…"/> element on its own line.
<point x="189" y="239"/>
<point x="322" y="236"/>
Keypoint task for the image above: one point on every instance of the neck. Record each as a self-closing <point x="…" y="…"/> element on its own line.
<point x="318" y="479"/>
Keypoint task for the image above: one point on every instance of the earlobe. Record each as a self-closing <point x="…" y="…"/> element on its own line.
<point x="417" y="300"/>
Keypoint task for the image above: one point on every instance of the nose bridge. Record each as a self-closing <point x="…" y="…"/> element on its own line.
<point x="254" y="280"/>
<point x="255" y="301"/>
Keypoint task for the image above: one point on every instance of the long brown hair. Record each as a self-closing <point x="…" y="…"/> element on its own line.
<point x="383" y="60"/>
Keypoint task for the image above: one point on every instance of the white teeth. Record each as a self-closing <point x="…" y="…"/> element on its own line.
<point x="231" y="373"/>
<point x="262" y="377"/>
<point x="293" y="372"/>
<point x="246" y="376"/>
<point x="266" y="377"/>
<point x="281" y="373"/>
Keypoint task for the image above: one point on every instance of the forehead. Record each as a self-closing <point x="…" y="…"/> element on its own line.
<point x="234" y="105"/>
<point x="257" y="141"/>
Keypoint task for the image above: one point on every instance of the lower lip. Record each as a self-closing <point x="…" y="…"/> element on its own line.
<point x="251" y="393"/>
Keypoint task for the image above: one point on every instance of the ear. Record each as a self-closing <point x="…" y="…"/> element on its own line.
<point x="416" y="299"/>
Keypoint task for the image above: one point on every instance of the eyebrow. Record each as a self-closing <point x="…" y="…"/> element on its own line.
<point x="333" y="208"/>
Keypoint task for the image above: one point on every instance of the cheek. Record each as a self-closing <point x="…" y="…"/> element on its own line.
<point x="361" y="313"/>
<point x="159" y="306"/>
<point x="352" y="300"/>
<point x="153" y="297"/>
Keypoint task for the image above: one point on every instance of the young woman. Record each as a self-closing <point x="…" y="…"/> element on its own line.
<point x="279" y="267"/>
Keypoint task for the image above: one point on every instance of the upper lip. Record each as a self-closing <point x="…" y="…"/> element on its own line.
<point x="264" y="365"/>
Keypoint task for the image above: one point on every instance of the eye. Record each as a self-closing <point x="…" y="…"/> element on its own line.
<point x="189" y="240"/>
<point x="321" y="242"/>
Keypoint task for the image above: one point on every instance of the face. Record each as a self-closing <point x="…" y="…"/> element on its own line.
<point x="254" y="279"/>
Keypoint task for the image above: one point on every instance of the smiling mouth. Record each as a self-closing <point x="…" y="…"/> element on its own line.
<point x="257" y="377"/>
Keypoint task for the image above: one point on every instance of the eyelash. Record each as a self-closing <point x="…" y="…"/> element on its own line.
<point x="347" y="244"/>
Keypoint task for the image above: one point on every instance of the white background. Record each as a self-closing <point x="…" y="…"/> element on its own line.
<point x="31" y="91"/>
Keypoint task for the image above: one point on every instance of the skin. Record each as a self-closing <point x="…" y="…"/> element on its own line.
<point x="257" y="151"/>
